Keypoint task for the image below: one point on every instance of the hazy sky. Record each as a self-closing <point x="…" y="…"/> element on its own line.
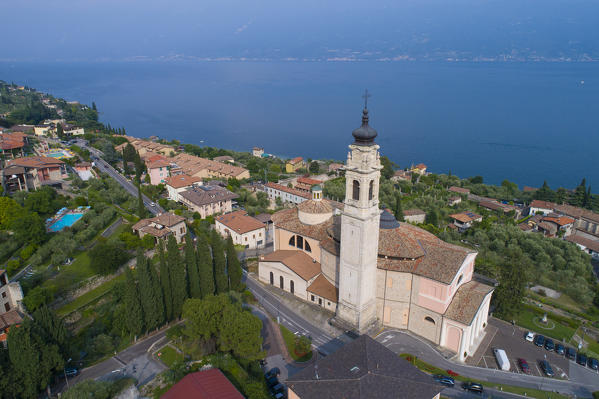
<point x="123" y="29"/>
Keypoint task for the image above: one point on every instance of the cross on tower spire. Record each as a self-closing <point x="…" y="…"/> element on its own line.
<point x="365" y="97"/>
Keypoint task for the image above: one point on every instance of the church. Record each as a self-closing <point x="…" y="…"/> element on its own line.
<point x="369" y="269"/>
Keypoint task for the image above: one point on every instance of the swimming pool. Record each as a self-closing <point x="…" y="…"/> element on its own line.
<point x="65" y="221"/>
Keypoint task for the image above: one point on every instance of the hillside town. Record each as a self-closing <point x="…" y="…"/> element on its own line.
<point x="150" y="268"/>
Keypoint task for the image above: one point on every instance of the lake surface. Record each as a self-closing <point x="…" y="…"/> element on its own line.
<point x="526" y="122"/>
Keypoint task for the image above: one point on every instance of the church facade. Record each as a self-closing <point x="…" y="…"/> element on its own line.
<point x="369" y="269"/>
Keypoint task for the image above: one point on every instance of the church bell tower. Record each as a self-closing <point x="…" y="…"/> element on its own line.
<point x="360" y="230"/>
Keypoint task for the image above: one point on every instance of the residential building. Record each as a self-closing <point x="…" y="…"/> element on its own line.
<point x="158" y="171"/>
<point x="589" y="246"/>
<point x="43" y="130"/>
<point x="73" y="131"/>
<point x="257" y="151"/>
<point x="242" y="228"/>
<point x="401" y="175"/>
<point x="208" y="200"/>
<point x="500" y="207"/>
<point x="145" y="146"/>
<point x="84" y="170"/>
<point x="453" y="201"/>
<point x="11" y="294"/>
<point x="162" y="226"/>
<point x="463" y="220"/>
<point x="12" y="144"/>
<point x="540" y="207"/>
<point x="286" y="194"/>
<point x="294" y="164"/>
<point x="12" y="318"/>
<point x="420" y="169"/>
<point x="459" y="190"/>
<point x="369" y="269"/>
<point x="362" y="369"/>
<point x="205" y="384"/>
<point x="560" y="223"/>
<point x="335" y="167"/>
<point x="224" y="158"/>
<point x="30" y="173"/>
<point x="202" y="167"/>
<point x="178" y="183"/>
<point x="306" y="183"/>
<point x="414" y="215"/>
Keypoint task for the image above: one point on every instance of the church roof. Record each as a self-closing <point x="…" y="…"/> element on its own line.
<point x="313" y="206"/>
<point x="287" y="219"/>
<point x="388" y="221"/>
<point x="364" y="135"/>
<point x="323" y="287"/>
<point x="466" y="302"/>
<point x="298" y="261"/>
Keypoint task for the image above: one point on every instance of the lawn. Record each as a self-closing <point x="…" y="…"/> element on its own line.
<point x="89" y="296"/>
<point x="168" y="356"/>
<point x="70" y="275"/>
<point x="289" y="339"/>
<point x="556" y="329"/>
<point x="529" y="392"/>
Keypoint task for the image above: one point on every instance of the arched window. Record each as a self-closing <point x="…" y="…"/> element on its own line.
<point x="460" y="279"/>
<point x="299" y="242"/>
<point x="371" y="190"/>
<point x="307" y="246"/>
<point x="281" y="283"/>
<point x="427" y="318"/>
<point x="292" y="241"/>
<point x="356" y="190"/>
<point x="291" y="287"/>
<point x="272" y="279"/>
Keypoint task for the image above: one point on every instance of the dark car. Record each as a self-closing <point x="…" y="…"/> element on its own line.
<point x="549" y="345"/>
<point x="473" y="387"/>
<point x="524" y="366"/>
<point x="559" y="348"/>
<point x="593" y="363"/>
<point x="539" y="340"/>
<point x="69" y="372"/>
<point x="570" y="353"/>
<point x="444" y="379"/>
<point x="272" y="372"/>
<point x="546" y="367"/>
<point x="278" y="388"/>
<point x="272" y="381"/>
<point x="581" y="359"/>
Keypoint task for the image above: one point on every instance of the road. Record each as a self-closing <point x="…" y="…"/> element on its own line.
<point x="105" y="167"/>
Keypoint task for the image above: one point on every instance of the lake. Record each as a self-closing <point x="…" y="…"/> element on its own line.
<point x="525" y="122"/>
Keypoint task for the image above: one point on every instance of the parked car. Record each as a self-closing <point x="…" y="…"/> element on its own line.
<point x="524" y="365"/>
<point x="278" y="388"/>
<point x="444" y="379"/>
<point x="473" y="387"/>
<point x="529" y="336"/>
<point x="581" y="359"/>
<point x="546" y="367"/>
<point x="570" y="353"/>
<point x="272" y="372"/>
<point x="593" y="363"/>
<point x="559" y="348"/>
<point x="272" y="381"/>
<point x="539" y="340"/>
<point x="549" y="345"/>
<point x="69" y="372"/>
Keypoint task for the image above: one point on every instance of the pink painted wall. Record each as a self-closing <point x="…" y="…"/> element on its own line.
<point x="157" y="175"/>
<point x="466" y="273"/>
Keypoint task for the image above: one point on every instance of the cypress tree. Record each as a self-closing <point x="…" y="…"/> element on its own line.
<point x="177" y="276"/>
<point x="218" y="259"/>
<point x="151" y="303"/>
<point x="233" y="267"/>
<point x="141" y="209"/>
<point x="191" y="264"/>
<point x="397" y="210"/>
<point x="165" y="283"/>
<point x="205" y="267"/>
<point x="135" y="319"/>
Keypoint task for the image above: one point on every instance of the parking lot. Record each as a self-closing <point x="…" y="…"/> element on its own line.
<point x="511" y="339"/>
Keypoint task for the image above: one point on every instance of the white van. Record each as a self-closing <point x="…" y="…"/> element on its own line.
<point x="502" y="359"/>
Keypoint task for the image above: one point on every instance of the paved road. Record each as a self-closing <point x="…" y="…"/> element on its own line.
<point x="105" y="167"/>
<point x="323" y="342"/>
<point x="401" y="342"/>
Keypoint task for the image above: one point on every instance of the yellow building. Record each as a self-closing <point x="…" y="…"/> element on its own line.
<point x="294" y="164"/>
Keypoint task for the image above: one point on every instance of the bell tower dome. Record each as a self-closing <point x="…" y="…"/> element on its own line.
<point x="360" y="230"/>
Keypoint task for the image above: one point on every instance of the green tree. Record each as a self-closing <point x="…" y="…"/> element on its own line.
<point x="544" y="193"/>
<point x="165" y="283"/>
<point x="388" y="167"/>
<point x="59" y="131"/>
<point x="218" y="258"/>
<point x="149" y="292"/>
<point x="135" y="318"/>
<point x="30" y="228"/>
<point x="51" y="327"/>
<point x="205" y="267"/>
<point x="239" y="333"/>
<point x="432" y="217"/>
<point x="107" y="256"/>
<point x="397" y="210"/>
<point x="191" y="264"/>
<point x="177" y="276"/>
<point x="314" y="167"/>
<point x="234" y="267"/>
<point x="476" y="180"/>
<point x="141" y="209"/>
<point x="9" y="211"/>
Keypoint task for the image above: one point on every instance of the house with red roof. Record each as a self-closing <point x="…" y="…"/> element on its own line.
<point x="206" y="384"/>
<point x="294" y="164"/>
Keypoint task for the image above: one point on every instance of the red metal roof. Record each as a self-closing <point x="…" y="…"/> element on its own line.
<point x="207" y="384"/>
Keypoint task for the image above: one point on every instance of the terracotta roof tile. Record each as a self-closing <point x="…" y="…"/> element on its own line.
<point x="295" y="160"/>
<point x="180" y="181"/>
<point x="585" y="242"/>
<point x="36" y="162"/>
<point x="206" y="384"/>
<point x="316" y="207"/>
<point x="466" y="302"/>
<point x="240" y="222"/>
<point x="298" y="261"/>
<point x="465" y="217"/>
<point x="560" y="220"/>
<point x="460" y="190"/>
<point x="323" y="287"/>
<point x="207" y="195"/>
<point x="413" y="212"/>
<point x="287" y="219"/>
<point x="542" y="204"/>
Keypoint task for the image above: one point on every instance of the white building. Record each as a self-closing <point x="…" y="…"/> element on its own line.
<point x="538" y="207"/>
<point x="286" y="194"/>
<point x="243" y="229"/>
<point x="178" y="183"/>
<point x="74" y="131"/>
<point x="11" y="294"/>
<point x="257" y="151"/>
<point x="414" y="216"/>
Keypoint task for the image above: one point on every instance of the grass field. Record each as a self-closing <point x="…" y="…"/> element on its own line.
<point x="555" y="328"/>
<point x="89" y="296"/>
<point x="168" y="356"/>
<point x="529" y="392"/>
<point x="289" y="339"/>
